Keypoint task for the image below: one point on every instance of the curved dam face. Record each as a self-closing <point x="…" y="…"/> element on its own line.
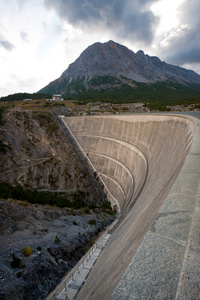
<point x="138" y="158"/>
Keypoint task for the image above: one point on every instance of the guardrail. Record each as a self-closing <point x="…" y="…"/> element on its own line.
<point x="73" y="281"/>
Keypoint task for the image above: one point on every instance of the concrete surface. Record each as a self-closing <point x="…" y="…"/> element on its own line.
<point x="167" y="264"/>
<point x="139" y="158"/>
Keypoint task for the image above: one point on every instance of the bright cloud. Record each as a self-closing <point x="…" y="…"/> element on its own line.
<point x="40" y="38"/>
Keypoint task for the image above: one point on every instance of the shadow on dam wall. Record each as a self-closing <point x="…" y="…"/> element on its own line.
<point x="138" y="157"/>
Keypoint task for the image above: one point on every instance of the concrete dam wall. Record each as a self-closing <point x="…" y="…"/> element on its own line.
<point x="138" y="158"/>
<point x="129" y="151"/>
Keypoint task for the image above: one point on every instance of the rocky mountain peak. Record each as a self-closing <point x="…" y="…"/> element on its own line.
<point x="140" y="52"/>
<point x="115" y="60"/>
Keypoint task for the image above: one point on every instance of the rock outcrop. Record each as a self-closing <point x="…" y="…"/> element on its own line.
<point x="37" y="154"/>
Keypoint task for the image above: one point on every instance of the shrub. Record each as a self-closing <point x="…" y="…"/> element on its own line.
<point x="92" y="222"/>
<point x="57" y="240"/>
<point x="86" y="210"/>
<point x="19" y="274"/>
<point x="107" y="205"/>
<point x="15" y="263"/>
<point x="27" y="251"/>
<point x="22" y="266"/>
<point x="75" y="223"/>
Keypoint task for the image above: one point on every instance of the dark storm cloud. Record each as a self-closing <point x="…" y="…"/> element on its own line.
<point x="184" y="50"/>
<point x="128" y="18"/>
<point x="6" y="44"/>
<point x="184" y="47"/>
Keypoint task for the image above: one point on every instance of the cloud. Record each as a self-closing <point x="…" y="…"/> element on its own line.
<point x="6" y="44"/>
<point x="183" y="45"/>
<point x="24" y="36"/>
<point x="130" y="19"/>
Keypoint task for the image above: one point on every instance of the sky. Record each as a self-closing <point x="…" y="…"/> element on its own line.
<point x="40" y="38"/>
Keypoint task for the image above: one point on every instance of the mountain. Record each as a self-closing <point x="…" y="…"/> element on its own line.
<point x="105" y="67"/>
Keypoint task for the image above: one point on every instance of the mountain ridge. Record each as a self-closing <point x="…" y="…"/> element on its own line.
<point x="121" y="66"/>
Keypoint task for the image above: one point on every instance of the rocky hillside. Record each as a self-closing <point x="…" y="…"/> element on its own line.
<point x="39" y="244"/>
<point x="108" y="66"/>
<point x="37" y="154"/>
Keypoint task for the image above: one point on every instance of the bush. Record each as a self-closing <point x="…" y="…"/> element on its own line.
<point x="27" y="251"/>
<point x="57" y="240"/>
<point x="1" y="116"/>
<point x="19" y="274"/>
<point x="107" y="205"/>
<point x="86" y="210"/>
<point x="92" y="222"/>
<point x="16" y="261"/>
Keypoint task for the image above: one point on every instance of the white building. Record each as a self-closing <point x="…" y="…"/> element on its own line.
<point x="57" y="98"/>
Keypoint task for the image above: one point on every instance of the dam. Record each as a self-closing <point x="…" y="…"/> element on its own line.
<point x="153" y="250"/>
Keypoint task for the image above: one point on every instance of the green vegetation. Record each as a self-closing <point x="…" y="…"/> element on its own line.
<point x="166" y="93"/>
<point x="27" y="251"/>
<point x="92" y="222"/>
<point x="2" y="109"/>
<point x="86" y="210"/>
<point x="23" y="96"/>
<point x="39" y="197"/>
<point x="157" y="106"/>
<point x="56" y="199"/>
<point x="16" y="261"/>
<point x="106" y="205"/>
<point x="47" y="121"/>
<point x="19" y="274"/>
<point x="98" y="80"/>
<point x="75" y="86"/>
<point x="57" y="240"/>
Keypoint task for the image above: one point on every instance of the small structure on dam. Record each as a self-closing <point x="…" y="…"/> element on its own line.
<point x="138" y="158"/>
